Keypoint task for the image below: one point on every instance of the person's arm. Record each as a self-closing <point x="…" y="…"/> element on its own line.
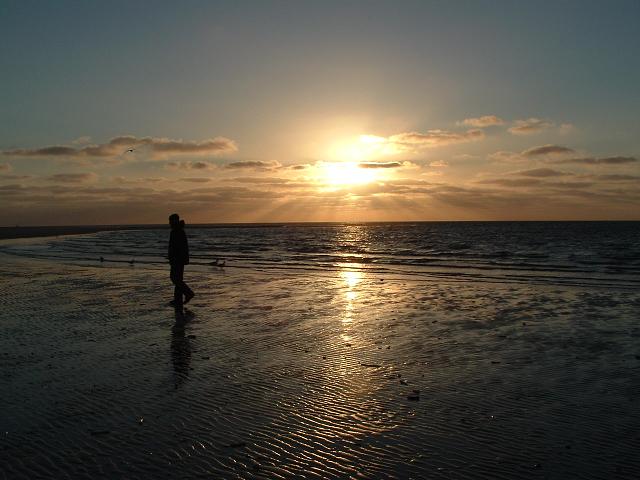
<point x="171" y="253"/>
<point x="185" y="248"/>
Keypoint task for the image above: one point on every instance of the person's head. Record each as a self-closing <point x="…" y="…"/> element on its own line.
<point x="174" y="220"/>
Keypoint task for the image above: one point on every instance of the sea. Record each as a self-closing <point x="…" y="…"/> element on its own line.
<point x="603" y="254"/>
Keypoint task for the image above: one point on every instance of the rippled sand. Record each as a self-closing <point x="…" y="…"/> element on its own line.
<point x="281" y="375"/>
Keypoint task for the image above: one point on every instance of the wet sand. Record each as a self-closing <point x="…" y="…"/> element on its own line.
<point x="281" y="375"/>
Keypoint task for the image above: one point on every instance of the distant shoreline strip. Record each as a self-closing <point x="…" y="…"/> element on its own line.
<point x="7" y="233"/>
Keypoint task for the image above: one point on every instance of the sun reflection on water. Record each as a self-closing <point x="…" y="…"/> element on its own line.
<point x="351" y="278"/>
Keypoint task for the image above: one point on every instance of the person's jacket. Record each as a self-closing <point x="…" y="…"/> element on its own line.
<point x="178" y="246"/>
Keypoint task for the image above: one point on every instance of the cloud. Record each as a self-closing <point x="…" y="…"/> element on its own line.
<point x="5" y="167"/>
<point x="258" y="180"/>
<point x="213" y="146"/>
<point x="434" y="138"/>
<point x="530" y="126"/>
<point x="527" y="197"/>
<point x="599" y="161"/>
<point x="503" y="156"/>
<point x="512" y="182"/>
<point x="569" y="185"/>
<point x="137" y="181"/>
<point x="380" y="164"/>
<point x="438" y="164"/>
<point x="122" y="144"/>
<point x="168" y="146"/>
<point x="73" y="177"/>
<point x="196" y="179"/>
<point x="190" y="165"/>
<point x="51" y="151"/>
<point x="547" y="150"/>
<point x="618" y="178"/>
<point x="299" y="167"/>
<point x="484" y="121"/>
<point x="11" y="176"/>
<point x="257" y="164"/>
<point x="541" y="151"/>
<point x="541" y="172"/>
<point x="410" y="182"/>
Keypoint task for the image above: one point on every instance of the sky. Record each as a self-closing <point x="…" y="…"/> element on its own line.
<point x="126" y="111"/>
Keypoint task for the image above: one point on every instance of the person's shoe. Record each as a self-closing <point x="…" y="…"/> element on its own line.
<point x="188" y="297"/>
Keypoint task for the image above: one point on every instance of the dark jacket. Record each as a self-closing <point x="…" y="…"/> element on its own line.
<point x="178" y="246"/>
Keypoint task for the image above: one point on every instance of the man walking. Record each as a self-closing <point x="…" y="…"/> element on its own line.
<point x="178" y="258"/>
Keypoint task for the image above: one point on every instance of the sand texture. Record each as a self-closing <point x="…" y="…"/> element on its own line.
<point x="323" y="375"/>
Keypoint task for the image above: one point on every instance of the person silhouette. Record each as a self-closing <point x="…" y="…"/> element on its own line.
<point x="178" y="258"/>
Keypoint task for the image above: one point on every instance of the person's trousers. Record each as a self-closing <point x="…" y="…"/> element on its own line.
<point x="181" y="288"/>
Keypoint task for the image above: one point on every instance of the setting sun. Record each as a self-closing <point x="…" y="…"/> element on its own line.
<point x="346" y="173"/>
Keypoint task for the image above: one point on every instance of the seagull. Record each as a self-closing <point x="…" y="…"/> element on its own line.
<point x="131" y="150"/>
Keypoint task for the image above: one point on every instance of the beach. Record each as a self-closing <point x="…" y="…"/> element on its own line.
<point x="319" y="240"/>
<point x="339" y="373"/>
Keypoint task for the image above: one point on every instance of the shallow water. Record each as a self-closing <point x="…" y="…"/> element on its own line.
<point x="286" y="372"/>
<point x="600" y="253"/>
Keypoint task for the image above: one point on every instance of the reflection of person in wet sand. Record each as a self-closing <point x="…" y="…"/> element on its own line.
<point x="180" y="349"/>
<point x="178" y="258"/>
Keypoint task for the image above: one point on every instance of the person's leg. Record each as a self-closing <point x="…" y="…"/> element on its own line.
<point x="177" y="272"/>
<point x="188" y="293"/>
<point x="184" y="288"/>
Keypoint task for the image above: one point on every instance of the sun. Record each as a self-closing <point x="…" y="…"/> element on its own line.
<point x="346" y="173"/>
<point x="347" y="157"/>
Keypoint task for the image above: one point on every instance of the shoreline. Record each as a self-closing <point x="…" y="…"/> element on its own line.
<point x="10" y="233"/>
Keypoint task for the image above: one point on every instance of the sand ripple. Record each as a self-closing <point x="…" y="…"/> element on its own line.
<point x="297" y="375"/>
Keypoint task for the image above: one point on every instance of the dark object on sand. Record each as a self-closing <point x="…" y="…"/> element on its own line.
<point x="414" y="396"/>
<point x="236" y="445"/>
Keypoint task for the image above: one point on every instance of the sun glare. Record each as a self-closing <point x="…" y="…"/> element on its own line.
<point x="346" y="173"/>
<point x="359" y="149"/>
<point x="346" y="157"/>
